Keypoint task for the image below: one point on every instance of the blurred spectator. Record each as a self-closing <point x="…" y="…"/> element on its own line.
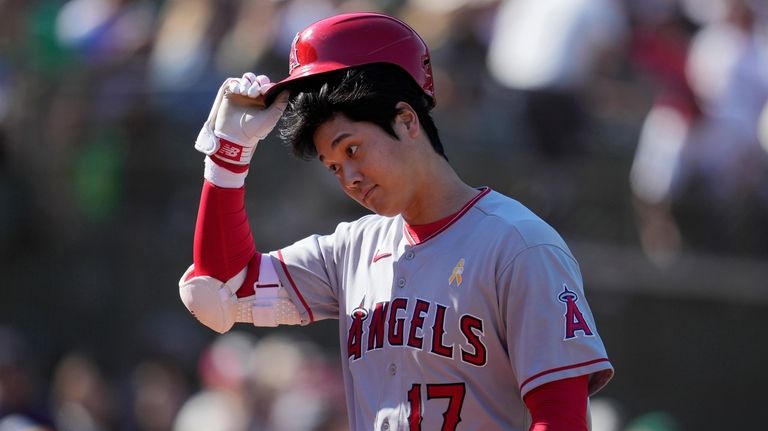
<point x="103" y="31"/>
<point x="21" y="399"/>
<point x="763" y="130"/>
<point x="286" y="372"/>
<point x="200" y="42"/>
<point x="182" y="49"/>
<point x="458" y="33"/>
<point x="250" y="385"/>
<point x="659" y="50"/>
<point x="250" y="39"/>
<point x="222" y="403"/>
<point x="548" y="50"/>
<point x="545" y="59"/>
<point x="699" y="176"/>
<point x="20" y="423"/>
<point x="82" y="397"/>
<point x="159" y="389"/>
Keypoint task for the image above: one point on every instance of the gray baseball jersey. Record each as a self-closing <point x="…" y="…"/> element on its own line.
<point x="451" y="332"/>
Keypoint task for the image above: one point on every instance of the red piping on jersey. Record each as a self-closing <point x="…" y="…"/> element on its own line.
<point x="567" y="367"/>
<point x="450" y="220"/>
<point x="380" y="256"/>
<point x="293" y="285"/>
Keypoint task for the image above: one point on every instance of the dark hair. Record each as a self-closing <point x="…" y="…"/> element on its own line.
<point x="364" y="93"/>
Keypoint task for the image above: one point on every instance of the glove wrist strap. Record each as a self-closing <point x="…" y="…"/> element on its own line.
<point x="233" y="152"/>
<point x="221" y="176"/>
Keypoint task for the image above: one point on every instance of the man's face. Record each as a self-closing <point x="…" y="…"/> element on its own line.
<point x="373" y="168"/>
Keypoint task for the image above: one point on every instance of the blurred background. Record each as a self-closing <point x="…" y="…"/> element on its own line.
<point x="637" y="128"/>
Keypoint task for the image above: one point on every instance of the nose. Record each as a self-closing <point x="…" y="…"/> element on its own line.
<point x="351" y="176"/>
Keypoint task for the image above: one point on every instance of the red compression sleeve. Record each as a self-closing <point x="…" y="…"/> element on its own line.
<point x="223" y="243"/>
<point x="559" y="406"/>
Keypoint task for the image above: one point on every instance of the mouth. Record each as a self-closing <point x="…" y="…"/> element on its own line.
<point x="368" y="193"/>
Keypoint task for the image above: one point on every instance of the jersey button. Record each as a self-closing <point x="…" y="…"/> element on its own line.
<point x="385" y="425"/>
<point x="392" y="369"/>
<point x="409" y="255"/>
<point x="401" y="282"/>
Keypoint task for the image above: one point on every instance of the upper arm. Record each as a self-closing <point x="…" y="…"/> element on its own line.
<point x="309" y="271"/>
<point x="550" y="331"/>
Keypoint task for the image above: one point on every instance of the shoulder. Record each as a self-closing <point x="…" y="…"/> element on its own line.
<point x="525" y="245"/>
<point x="513" y="221"/>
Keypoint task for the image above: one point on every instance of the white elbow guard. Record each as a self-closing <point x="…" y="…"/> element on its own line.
<point x="216" y="305"/>
<point x="212" y="302"/>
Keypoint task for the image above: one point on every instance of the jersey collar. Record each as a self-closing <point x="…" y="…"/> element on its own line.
<point x="417" y="234"/>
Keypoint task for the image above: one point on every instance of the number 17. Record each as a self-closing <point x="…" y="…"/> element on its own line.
<point x="451" y="417"/>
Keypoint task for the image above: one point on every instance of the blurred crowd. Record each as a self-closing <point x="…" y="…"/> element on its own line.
<point x="637" y="122"/>
<point x="240" y="382"/>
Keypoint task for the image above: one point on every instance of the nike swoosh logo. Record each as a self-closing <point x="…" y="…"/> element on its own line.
<point x="378" y="256"/>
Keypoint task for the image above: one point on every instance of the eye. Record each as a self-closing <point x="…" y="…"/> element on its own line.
<point x="351" y="150"/>
<point x="334" y="168"/>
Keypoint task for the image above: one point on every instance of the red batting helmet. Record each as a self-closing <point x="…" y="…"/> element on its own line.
<point x="356" y="39"/>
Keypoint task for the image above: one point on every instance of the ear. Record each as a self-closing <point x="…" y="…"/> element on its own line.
<point x="407" y="119"/>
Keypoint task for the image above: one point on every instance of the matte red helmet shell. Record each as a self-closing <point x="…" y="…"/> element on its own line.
<point x="355" y="39"/>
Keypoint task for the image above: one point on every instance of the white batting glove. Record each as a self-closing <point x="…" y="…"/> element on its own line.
<point x="237" y="123"/>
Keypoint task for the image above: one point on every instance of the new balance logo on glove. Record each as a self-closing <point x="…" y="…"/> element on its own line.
<point x="228" y="150"/>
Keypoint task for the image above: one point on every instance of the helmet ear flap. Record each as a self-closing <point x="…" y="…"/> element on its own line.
<point x="356" y="39"/>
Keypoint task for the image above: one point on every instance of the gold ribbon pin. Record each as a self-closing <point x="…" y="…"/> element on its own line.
<point x="456" y="274"/>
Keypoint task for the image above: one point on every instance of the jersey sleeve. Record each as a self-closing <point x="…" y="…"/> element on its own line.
<point x="308" y="269"/>
<point x="550" y="331"/>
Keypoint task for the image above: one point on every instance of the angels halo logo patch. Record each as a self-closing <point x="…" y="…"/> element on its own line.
<point x="574" y="320"/>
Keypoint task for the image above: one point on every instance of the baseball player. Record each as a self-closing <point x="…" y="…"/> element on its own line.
<point x="458" y="308"/>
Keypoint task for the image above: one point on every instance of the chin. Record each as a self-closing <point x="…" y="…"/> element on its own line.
<point x="381" y="210"/>
<point x="384" y="212"/>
